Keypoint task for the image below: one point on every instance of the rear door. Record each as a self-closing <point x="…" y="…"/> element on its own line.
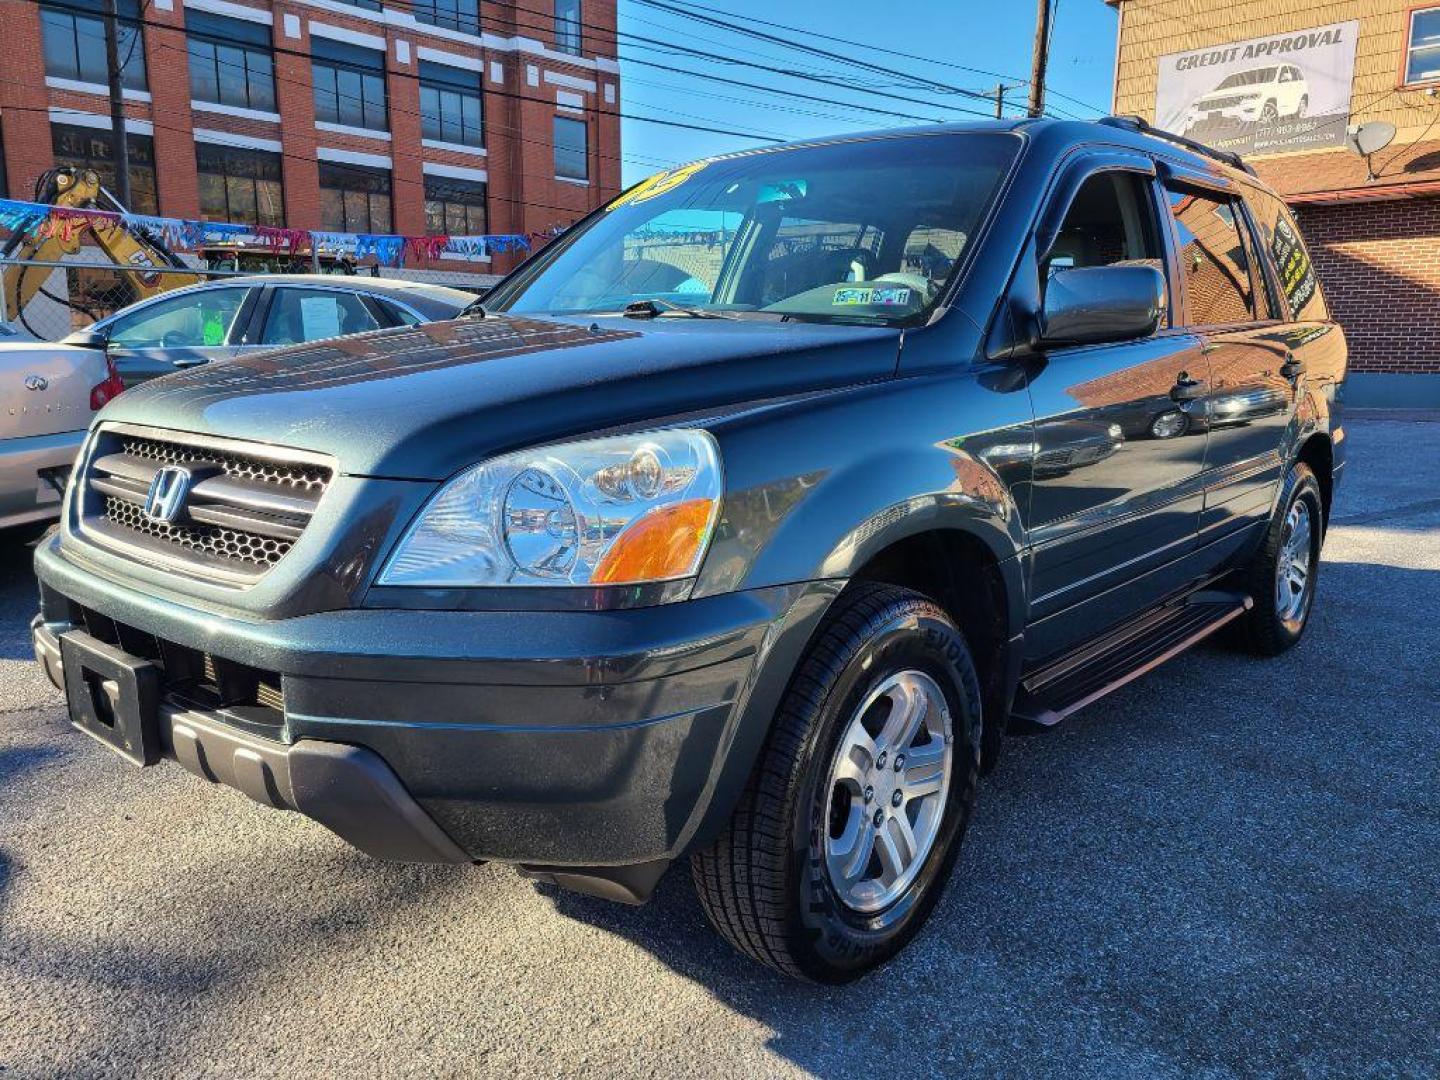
<point x="176" y="332"/>
<point x="1253" y="386"/>
<point x="1116" y="492"/>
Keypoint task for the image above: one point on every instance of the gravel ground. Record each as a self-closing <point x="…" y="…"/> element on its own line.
<point x="1228" y="868"/>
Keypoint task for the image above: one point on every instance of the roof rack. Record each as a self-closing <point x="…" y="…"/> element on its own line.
<point x="1137" y="123"/>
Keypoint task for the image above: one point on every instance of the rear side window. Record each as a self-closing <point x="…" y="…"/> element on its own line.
<point x="300" y="315"/>
<point x="1293" y="268"/>
<point x="399" y="316"/>
<point x="1214" y="264"/>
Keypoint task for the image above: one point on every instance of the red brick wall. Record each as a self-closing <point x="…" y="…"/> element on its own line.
<point x="1379" y="265"/>
<point x="524" y="194"/>
<point x="24" y="99"/>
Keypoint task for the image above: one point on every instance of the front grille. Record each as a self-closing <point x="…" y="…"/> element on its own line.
<point x="245" y="508"/>
<point x="207" y="540"/>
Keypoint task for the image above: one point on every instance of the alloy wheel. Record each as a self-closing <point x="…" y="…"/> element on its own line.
<point x="1292" y="570"/>
<point x="887" y="788"/>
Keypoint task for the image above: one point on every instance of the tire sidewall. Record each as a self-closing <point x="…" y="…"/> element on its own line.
<point x="835" y="942"/>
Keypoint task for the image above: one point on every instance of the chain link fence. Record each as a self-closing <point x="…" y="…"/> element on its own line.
<point x="70" y="296"/>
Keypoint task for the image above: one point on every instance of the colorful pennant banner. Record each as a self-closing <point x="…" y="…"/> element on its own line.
<point x="42" y="221"/>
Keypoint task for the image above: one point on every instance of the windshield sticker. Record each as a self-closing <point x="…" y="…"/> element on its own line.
<point x="658" y="184"/>
<point x="896" y="296"/>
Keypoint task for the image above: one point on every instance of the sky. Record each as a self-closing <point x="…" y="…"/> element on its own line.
<point x="991" y="36"/>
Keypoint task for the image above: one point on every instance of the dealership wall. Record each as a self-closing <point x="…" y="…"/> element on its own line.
<point x="1376" y="243"/>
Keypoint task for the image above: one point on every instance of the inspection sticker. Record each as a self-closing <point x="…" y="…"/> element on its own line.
<point x="895" y="296"/>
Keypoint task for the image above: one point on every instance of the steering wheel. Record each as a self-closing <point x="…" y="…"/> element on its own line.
<point x="175" y="339"/>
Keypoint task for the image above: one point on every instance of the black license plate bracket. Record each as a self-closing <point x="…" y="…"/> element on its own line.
<point x="112" y="696"/>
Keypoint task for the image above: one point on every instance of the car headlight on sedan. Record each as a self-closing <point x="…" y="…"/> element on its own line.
<point x="615" y="511"/>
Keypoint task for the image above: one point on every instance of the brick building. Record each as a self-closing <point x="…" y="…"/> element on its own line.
<point x="1250" y="75"/>
<point x="385" y="116"/>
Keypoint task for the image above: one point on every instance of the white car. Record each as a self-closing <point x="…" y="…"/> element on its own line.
<point x="49" y="392"/>
<point x="1258" y="95"/>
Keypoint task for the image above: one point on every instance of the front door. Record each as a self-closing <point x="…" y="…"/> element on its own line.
<point x="1118" y="456"/>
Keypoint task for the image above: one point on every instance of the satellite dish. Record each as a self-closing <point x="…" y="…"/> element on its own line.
<point x="1367" y="139"/>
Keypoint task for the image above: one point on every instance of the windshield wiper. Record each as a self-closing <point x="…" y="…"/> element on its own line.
<point x="654" y="308"/>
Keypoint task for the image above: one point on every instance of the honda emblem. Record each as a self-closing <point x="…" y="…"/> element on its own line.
<point x="166" y="496"/>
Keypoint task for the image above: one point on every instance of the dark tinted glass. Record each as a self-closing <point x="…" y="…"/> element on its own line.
<point x="1213" y="263"/>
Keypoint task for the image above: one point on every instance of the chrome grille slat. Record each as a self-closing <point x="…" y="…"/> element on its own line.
<point x="246" y="507"/>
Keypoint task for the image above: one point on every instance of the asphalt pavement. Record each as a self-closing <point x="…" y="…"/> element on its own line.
<point x="1231" y="867"/>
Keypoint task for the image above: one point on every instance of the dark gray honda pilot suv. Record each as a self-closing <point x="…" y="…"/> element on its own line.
<point x="738" y="526"/>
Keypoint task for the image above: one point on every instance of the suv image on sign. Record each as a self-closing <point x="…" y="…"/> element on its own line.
<point x="737" y="527"/>
<point x="1257" y="96"/>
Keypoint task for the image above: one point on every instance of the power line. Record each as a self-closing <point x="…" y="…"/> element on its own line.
<point x="873" y="48"/>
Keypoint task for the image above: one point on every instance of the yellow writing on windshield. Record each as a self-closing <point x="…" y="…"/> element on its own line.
<point x="658" y="184"/>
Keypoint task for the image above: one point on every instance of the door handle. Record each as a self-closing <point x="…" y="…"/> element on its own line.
<point x="188" y="361"/>
<point x="1186" y="388"/>
<point x="1292" y="368"/>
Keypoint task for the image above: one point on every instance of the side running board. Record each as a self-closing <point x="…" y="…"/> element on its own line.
<point x="1063" y="686"/>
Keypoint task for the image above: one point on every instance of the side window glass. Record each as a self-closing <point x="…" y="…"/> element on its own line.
<point x="194" y="320"/>
<point x="1109" y="223"/>
<point x="1293" y="268"/>
<point x="300" y="315"/>
<point x="1213" y="260"/>
<point x="399" y="316"/>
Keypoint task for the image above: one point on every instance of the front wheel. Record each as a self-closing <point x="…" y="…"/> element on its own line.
<point x="1283" y="575"/>
<point x="845" y="835"/>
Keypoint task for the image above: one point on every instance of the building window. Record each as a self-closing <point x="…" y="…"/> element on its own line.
<point x="450" y="104"/>
<point x="349" y="85"/>
<point x="571" y="158"/>
<point x="354" y="199"/>
<point x="1422" y="50"/>
<point x="94" y="148"/>
<point x="454" y="207"/>
<point x="462" y="15"/>
<point x="567" y="26"/>
<point x="240" y="186"/>
<point x="368" y="5"/>
<point x="230" y="61"/>
<point x="75" y="42"/>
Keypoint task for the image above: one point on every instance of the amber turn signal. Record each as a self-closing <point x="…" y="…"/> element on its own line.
<point x="663" y="544"/>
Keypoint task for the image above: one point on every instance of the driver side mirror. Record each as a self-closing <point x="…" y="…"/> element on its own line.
<point x="1097" y="304"/>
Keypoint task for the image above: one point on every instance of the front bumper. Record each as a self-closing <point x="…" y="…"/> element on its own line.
<point x="548" y="739"/>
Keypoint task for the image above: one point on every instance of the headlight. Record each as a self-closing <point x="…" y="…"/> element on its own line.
<point x="616" y="511"/>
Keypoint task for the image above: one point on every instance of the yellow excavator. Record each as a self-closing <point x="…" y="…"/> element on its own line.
<point x="135" y="252"/>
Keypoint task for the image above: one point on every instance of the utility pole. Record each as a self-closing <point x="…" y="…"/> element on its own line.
<point x="1000" y="89"/>
<point x="1039" y="59"/>
<point x="117" y="103"/>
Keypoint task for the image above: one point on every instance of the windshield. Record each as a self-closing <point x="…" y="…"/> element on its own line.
<point x="1247" y="78"/>
<point x="866" y="231"/>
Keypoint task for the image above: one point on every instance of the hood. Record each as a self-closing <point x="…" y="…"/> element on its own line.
<point x="423" y="402"/>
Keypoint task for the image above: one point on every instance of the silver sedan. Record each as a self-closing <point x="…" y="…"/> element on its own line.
<point x="50" y="391"/>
